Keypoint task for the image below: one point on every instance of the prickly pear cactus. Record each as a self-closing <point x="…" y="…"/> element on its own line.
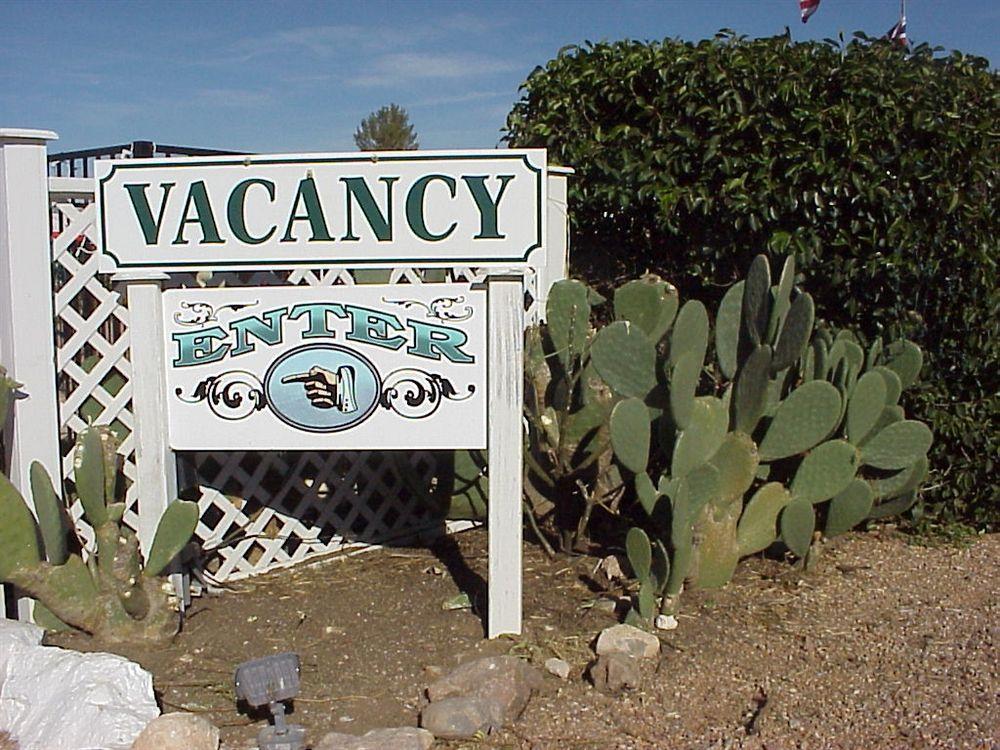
<point x="115" y="595"/>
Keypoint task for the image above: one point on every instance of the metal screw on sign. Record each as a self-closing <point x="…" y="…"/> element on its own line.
<point x="270" y="682"/>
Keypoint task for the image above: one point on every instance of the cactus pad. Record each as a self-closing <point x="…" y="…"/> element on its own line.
<point x="865" y="406"/>
<point x="630" y="434"/>
<point x="89" y="476"/>
<point x="648" y="302"/>
<point x="727" y="330"/>
<point x="757" y="528"/>
<point x="809" y="414"/>
<point x="640" y="552"/>
<point x="702" y="438"/>
<point x="176" y="526"/>
<point x="52" y="522"/>
<point x="756" y="303"/>
<point x="849" y="507"/>
<point x="795" y="333"/>
<point x="736" y="462"/>
<point x="646" y="492"/>
<point x="905" y="359"/>
<point x="683" y="385"/>
<point x="893" y="385"/>
<point x="18" y="534"/>
<point x="902" y="482"/>
<point x="625" y="358"/>
<point x="898" y="446"/>
<point x="750" y="395"/>
<point x="690" y="332"/>
<point x="798" y="521"/>
<point x="826" y="471"/>
<point x="567" y="314"/>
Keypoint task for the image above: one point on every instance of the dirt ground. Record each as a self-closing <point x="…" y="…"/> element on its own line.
<point x="886" y="644"/>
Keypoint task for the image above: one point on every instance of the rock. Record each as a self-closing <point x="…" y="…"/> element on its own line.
<point x="459" y="718"/>
<point x="505" y="683"/>
<point x="628" y="640"/>
<point x="7" y="742"/>
<point x="558" y="667"/>
<point x="614" y="672"/>
<point x="400" y="738"/>
<point x="102" y="701"/>
<point x="665" y="622"/>
<point x="178" y="732"/>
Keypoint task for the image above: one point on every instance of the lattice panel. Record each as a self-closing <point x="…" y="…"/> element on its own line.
<point x="259" y="511"/>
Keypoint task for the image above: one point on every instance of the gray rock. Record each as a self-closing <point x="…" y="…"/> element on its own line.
<point x="399" y="738"/>
<point x="459" y="717"/>
<point x="628" y="640"/>
<point x="614" y="672"/>
<point x="178" y="731"/>
<point x="504" y="683"/>
<point x="558" y="667"/>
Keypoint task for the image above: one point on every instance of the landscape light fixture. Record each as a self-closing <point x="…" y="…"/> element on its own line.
<point x="270" y="681"/>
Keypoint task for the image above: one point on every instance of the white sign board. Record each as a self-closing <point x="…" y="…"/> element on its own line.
<point x="316" y="368"/>
<point x="361" y="209"/>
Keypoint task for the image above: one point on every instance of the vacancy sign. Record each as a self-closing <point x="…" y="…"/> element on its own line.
<point x="359" y="209"/>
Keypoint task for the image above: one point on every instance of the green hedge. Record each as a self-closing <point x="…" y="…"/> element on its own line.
<point x="876" y="167"/>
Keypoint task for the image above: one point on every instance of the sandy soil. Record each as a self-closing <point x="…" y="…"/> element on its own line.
<point x="885" y="644"/>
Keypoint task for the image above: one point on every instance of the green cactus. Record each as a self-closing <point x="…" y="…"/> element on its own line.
<point x="683" y="386"/>
<point x="7" y="388"/>
<point x="702" y="438"/>
<point x="798" y="521"/>
<point x="649" y="303"/>
<point x="113" y="596"/>
<point x="795" y="333"/>
<point x="750" y="394"/>
<point x="630" y="434"/>
<point x="757" y="528"/>
<point x="568" y="318"/>
<point x="690" y="332"/>
<point x="865" y="406"/>
<point x="727" y="330"/>
<point x="782" y="299"/>
<point x="849" y="507"/>
<point x="905" y="359"/>
<point x="806" y="417"/>
<point x="625" y="359"/>
<point x="825" y="471"/>
<point x="898" y="445"/>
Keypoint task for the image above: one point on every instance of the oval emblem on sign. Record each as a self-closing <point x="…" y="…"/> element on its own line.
<point x="322" y="388"/>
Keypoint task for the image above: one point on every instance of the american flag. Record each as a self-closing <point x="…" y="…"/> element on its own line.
<point x="807" y="8"/>
<point x="898" y="32"/>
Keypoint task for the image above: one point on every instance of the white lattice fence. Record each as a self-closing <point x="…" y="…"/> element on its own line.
<point x="259" y="511"/>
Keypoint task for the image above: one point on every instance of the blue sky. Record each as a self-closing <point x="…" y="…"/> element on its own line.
<point x="278" y="77"/>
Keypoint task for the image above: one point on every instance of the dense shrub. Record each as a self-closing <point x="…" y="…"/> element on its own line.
<point x="876" y="167"/>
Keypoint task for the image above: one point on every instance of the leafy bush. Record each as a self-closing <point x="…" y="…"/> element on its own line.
<point x="875" y="168"/>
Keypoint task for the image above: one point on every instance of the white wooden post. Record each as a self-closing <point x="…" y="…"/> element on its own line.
<point x="505" y="330"/>
<point x="156" y="465"/>
<point x="27" y="347"/>
<point x="556" y="234"/>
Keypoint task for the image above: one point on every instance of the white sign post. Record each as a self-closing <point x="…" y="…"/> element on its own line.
<point x="344" y="367"/>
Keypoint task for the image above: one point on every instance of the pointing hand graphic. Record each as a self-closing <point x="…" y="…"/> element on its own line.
<point x="320" y="385"/>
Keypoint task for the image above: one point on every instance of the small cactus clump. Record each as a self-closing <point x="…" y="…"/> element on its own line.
<point x="114" y="594"/>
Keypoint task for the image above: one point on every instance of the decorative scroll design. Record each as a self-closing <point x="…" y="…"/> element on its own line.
<point x="199" y="313"/>
<point x="232" y="395"/>
<point x="415" y="394"/>
<point x="442" y="308"/>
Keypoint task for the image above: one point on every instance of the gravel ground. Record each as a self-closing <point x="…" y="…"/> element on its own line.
<point x="885" y="644"/>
